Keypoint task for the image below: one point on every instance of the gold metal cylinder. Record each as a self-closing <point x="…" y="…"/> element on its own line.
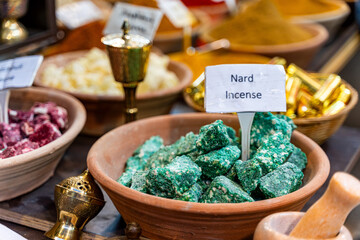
<point x="291" y="101"/>
<point x="340" y="102"/>
<point x="322" y="98"/>
<point x="304" y="108"/>
<point x="312" y="84"/>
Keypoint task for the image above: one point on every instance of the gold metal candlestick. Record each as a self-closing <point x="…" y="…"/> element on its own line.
<point x="128" y="56"/>
<point x="78" y="199"/>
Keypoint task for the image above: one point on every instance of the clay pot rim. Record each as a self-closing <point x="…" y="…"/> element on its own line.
<point x="207" y="208"/>
<point x="48" y="149"/>
<point x="184" y="81"/>
<point x="320" y="37"/>
<point x="341" y="10"/>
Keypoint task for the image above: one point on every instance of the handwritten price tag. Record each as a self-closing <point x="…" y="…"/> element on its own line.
<point x="76" y="14"/>
<point x="144" y="21"/>
<point x="177" y="12"/>
<point x="19" y="72"/>
<point x="245" y="88"/>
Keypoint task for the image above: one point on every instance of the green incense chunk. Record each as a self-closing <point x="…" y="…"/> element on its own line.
<point x="213" y="136"/>
<point x="267" y="124"/>
<point x="135" y="163"/>
<point x="194" y="155"/>
<point x="223" y="190"/>
<point x="191" y="195"/>
<point x="126" y="177"/>
<point x="218" y="162"/>
<point x="186" y="144"/>
<point x="204" y="182"/>
<point x="273" y="152"/>
<point x="266" y="162"/>
<point x="149" y="147"/>
<point x="232" y="174"/>
<point x="249" y="174"/>
<point x="298" y="158"/>
<point x="138" y="181"/>
<point x="161" y="158"/>
<point x="174" y="179"/>
<point x="284" y="180"/>
<point x="143" y="153"/>
<point x="287" y="119"/>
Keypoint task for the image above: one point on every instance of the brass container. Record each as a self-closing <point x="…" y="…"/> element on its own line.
<point x="128" y="56"/>
<point x="78" y="199"/>
<point x="11" y="30"/>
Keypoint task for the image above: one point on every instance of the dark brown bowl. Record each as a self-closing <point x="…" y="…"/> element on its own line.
<point x="162" y="218"/>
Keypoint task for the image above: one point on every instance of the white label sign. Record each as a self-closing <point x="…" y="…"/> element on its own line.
<point x="19" y="72"/>
<point x="177" y="13"/>
<point x="245" y="88"/>
<point x="76" y="14"/>
<point x="143" y="21"/>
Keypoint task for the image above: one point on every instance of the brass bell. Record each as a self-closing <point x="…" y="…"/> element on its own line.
<point x="78" y="199"/>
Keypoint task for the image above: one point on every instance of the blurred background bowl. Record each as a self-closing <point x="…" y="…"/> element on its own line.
<point x="106" y="112"/>
<point x="331" y="20"/>
<point x="300" y="53"/>
<point x="23" y="173"/>
<point x="162" y="218"/>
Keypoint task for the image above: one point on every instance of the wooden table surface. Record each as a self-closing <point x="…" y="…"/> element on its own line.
<point x="341" y="148"/>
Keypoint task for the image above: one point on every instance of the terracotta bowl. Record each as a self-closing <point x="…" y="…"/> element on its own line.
<point x="106" y="112"/>
<point x="331" y="20"/>
<point x="300" y="53"/>
<point x="162" y="218"/>
<point x="23" y="173"/>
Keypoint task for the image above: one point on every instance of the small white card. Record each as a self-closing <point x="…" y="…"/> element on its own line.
<point x="143" y="21"/>
<point x="19" y="72"/>
<point x="177" y="12"/>
<point x="76" y="14"/>
<point x="8" y="234"/>
<point x="231" y="4"/>
<point x="245" y="88"/>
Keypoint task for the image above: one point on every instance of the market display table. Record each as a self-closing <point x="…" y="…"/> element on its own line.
<point x="342" y="148"/>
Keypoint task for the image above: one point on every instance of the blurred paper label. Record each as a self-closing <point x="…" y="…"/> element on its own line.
<point x="177" y="12"/>
<point x="76" y="14"/>
<point x="245" y="88"/>
<point x="19" y="72"/>
<point x="8" y="234"/>
<point x="143" y="21"/>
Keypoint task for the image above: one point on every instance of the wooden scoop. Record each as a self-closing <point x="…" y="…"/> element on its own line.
<point x="325" y="218"/>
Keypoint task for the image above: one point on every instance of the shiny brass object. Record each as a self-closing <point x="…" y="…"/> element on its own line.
<point x="11" y="30"/>
<point x="293" y="92"/>
<point x="78" y="199"/>
<point x="312" y="84"/>
<point x="128" y="56"/>
<point x="322" y="97"/>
